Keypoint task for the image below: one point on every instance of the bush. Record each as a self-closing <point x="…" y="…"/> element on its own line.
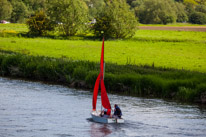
<point x="186" y="94"/>
<point x="80" y="73"/>
<point x="157" y="12"/>
<point x="117" y="20"/>
<point x="91" y="78"/>
<point x="197" y="18"/>
<point x="39" y="24"/>
<point x="9" y="62"/>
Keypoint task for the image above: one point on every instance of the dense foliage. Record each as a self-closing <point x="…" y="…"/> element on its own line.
<point x="117" y="21"/>
<point x="5" y="10"/>
<point x="19" y="12"/>
<point x="148" y="11"/>
<point x="71" y="15"/>
<point x="39" y="24"/>
<point x="198" y="18"/>
<point x="157" y="12"/>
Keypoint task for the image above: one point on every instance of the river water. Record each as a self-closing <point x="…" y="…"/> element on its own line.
<point x="32" y="109"/>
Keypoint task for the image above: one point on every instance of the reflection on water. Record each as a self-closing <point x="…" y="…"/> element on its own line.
<point x="99" y="130"/>
<point x="29" y="109"/>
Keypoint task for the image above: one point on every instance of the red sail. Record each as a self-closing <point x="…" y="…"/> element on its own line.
<point x="95" y="92"/>
<point x="104" y="97"/>
<point x="100" y="80"/>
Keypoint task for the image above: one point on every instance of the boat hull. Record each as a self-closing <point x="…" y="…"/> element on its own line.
<point x="97" y="118"/>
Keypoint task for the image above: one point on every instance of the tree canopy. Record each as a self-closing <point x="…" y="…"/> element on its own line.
<point x="117" y="20"/>
<point x="114" y="17"/>
<point x="71" y="15"/>
<point x="5" y="10"/>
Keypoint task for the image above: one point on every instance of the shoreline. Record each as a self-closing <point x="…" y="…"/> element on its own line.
<point x="126" y="80"/>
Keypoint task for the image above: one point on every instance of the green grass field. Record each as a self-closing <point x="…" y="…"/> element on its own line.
<point x="170" y="49"/>
<point x="14" y="27"/>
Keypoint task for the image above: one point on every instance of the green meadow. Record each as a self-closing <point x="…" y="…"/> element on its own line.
<point x="159" y="48"/>
<point x="13" y="27"/>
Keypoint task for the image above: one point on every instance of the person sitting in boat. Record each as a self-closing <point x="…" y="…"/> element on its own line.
<point x="106" y="113"/>
<point x="117" y="111"/>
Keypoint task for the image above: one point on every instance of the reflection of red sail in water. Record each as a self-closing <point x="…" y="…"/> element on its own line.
<point x="99" y="130"/>
<point x="100" y="81"/>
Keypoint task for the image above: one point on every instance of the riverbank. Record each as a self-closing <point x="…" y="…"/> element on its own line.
<point x="132" y="80"/>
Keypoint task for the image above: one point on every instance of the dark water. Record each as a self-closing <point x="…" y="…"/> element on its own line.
<point x="29" y="109"/>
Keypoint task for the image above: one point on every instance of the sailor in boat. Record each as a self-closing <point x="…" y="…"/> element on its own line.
<point x="106" y="113"/>
<point x="117" y="112"/>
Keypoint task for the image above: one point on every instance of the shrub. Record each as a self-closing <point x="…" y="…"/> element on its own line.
<point x="197" y="18"/>
<point x="8" y="63"/>
<point x="80" y="73"/>
<point x="39" y="24"/>
<point x="91" y="77"/>
<point x="117" y="20"/>
<point x="186" y="94"/>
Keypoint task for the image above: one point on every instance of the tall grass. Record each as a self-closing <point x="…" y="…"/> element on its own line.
<point x="121" y="79"/>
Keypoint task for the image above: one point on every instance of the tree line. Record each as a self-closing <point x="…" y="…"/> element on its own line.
<point x="116" y="18"/>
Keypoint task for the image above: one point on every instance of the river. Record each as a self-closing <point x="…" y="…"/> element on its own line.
<point x="33" y="109"/>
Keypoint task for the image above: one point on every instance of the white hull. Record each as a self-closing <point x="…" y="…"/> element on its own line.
<point x="97" y="118"/>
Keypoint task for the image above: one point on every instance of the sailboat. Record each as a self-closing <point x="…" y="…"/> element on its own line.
<point x="96" y="115"/>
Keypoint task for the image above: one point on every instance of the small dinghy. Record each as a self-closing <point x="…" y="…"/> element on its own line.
<point x="96" y="115"/>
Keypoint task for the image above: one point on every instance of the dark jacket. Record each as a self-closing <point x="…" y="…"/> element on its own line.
<point x="117" y="111"/>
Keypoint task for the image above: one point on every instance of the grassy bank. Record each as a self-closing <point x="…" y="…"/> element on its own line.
<point x="179" y="55"/>
<point x="121" y="79"/>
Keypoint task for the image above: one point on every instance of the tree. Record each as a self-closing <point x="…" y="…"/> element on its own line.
<point x="190" y="6"/>
<point x="200" y="8"/>
<point x="201" y="2"/>
<point x="95" y="7"/>
<point x="39" y="24"/>
<point x="19" y="12"/>
<point x="198" y="18"/>
<point x="136" y="3"/>
<point x="181" y="12"/>
<point x="117" y="20"/>
<point x="5" y="10"/>
<point x="35" y="5"/>
<point x="157" y="12"/>
<point x="71" y="15"/>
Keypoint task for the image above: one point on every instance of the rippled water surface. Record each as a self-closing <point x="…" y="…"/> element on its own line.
<point x="29" y="109"/>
